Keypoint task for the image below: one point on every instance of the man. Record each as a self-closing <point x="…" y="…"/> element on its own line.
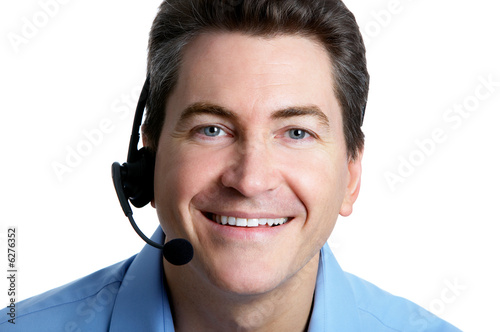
<point x="254" y="117"/>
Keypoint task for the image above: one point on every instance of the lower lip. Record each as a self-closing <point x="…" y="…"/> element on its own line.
<point x="246" y="233"/>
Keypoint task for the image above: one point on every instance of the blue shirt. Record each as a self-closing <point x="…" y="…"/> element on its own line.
<point x="130" y="296"/>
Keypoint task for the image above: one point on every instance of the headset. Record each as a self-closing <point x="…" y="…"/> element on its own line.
<point x="134" y="181"/>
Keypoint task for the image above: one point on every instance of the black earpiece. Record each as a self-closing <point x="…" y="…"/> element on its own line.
<point x="137" y="174"/>
<point x="134" y="181"/>
<point x="137" y="178"/>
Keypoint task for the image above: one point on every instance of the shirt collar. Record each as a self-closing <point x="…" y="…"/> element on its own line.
<point x="142" y="294"/>
<point x="334" y="306"/>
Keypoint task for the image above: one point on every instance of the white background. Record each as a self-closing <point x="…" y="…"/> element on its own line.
<point x="418" y="238"/>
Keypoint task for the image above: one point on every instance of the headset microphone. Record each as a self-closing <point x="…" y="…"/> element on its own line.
<point x="134" y="180"/>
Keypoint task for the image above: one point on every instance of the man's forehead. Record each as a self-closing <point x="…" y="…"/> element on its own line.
<point x="283" y="59"/>
<point x="263" y="53"/>
<point x="285" y="75"/>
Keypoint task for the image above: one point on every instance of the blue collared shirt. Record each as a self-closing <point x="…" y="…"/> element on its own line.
<point x="130" y="296"/>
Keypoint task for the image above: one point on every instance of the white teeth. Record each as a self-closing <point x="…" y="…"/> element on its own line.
<point x="253" y="222"/>
<point x="223" y="220"/>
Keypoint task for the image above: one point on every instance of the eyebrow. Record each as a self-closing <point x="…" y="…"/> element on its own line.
<point x="311" y="110"/>
<point x="205" y="108"/>
<point x="201" y="108"/>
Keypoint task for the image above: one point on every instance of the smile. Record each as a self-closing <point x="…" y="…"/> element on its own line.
<point x="244" y="222"/>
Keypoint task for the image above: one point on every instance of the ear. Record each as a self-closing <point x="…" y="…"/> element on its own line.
<point x="145" y="140"/>
<point x="146" y="143"/>
<point x="353" y="186"/>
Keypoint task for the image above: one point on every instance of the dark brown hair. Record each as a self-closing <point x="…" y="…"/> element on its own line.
<point x="328" y="21"/>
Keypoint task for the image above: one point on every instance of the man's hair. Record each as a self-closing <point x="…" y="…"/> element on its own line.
<point x="326" y="21"/>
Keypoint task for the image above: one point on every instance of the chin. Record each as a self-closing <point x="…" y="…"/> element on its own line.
<point x="245" y="279"/>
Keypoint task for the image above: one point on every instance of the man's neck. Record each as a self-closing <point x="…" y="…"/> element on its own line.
<point x="197" y="306"/>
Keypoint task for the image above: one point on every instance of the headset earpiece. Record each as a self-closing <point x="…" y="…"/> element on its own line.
<point x="135" y="178"/>
<point x="134" y="182"/>
<point x="138" y="178"/>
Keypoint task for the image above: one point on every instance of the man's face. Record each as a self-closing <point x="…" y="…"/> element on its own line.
<point x="252" y="137"/>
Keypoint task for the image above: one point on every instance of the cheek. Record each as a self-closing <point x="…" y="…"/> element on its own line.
<point x="175" y="178"/>
<point x="182" y="172"/>
<point x="319" y="179"/>
<point x="320" y="183"/>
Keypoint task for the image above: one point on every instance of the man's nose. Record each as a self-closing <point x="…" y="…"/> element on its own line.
<point x="252" y="171"/>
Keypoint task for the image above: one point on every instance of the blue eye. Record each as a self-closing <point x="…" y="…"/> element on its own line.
<point x="297" y="134"/>
<point x="212" y="131"/>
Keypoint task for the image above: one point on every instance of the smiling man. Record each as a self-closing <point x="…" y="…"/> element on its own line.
<point x="254" y="117"/>
<point x="251" y="168"/>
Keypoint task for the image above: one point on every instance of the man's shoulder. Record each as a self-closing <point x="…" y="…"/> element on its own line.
<point x="86" y="301"/>
<point x="392" y="313"/>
